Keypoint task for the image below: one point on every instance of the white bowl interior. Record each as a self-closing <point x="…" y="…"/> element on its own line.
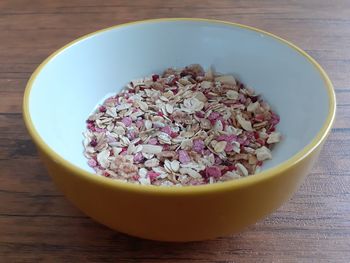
<point x="74" y="81"/>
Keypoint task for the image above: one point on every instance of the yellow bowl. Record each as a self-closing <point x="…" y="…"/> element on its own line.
<point x="66" y="86"/>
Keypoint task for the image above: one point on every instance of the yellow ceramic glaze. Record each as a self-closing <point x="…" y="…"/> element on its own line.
<point x="188" y="213"/>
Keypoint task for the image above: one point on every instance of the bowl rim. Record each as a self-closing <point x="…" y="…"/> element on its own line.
<point x="188" y="190"/>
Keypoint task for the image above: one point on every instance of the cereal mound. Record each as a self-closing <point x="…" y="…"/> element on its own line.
<point x="185" y="127"/>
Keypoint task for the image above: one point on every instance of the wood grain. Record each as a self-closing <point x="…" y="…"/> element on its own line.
<point x="37" y="224"/>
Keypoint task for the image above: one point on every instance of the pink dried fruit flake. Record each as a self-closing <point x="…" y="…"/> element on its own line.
<point x="184" y="157"/>
<point x="127" y="121"/>
<point x="155" y="77"/>
<point x="139" y="124"/>
<point x="102" y="109"/>
<point x="153" y="141"/>
<point x="92" y="162"/>
<point x="229" y="147"/>
<point x="214" y="116"/>
<point x="198" y="145"/>
<point x="93" y="142"/>
<point x="213" y="171"/>
<point x="167" y="130"/>
<point x="152" y="175"/>
<point x="138" y="157"/>
<point x="99" y="130"/>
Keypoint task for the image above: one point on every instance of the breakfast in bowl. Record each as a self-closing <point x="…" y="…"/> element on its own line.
<point x="212" y="184"/>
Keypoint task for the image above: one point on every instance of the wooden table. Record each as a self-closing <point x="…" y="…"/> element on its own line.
<point x="37" y="224"/>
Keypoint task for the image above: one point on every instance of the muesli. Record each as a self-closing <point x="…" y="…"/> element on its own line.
<point x="184" y="127"/>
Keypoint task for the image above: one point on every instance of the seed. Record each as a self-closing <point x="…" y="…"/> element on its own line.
<point x="152" y="149"/>
<point x="148" y="124"/>
<point x="190" y="172"/>
<point x="241" y="169"/>
<point x="232" y="94"/>
<point x="220" y="146"/>
<point x="263" y="153"/>
<point x="169" y="108"/>
<point x="244" y="123"/>
<point x="152" y="163"/>
<point x="175" y="165"/>
<point x="253" y="107"/>
<point x="226" y="79"/>
<point x="274" y="137"/>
